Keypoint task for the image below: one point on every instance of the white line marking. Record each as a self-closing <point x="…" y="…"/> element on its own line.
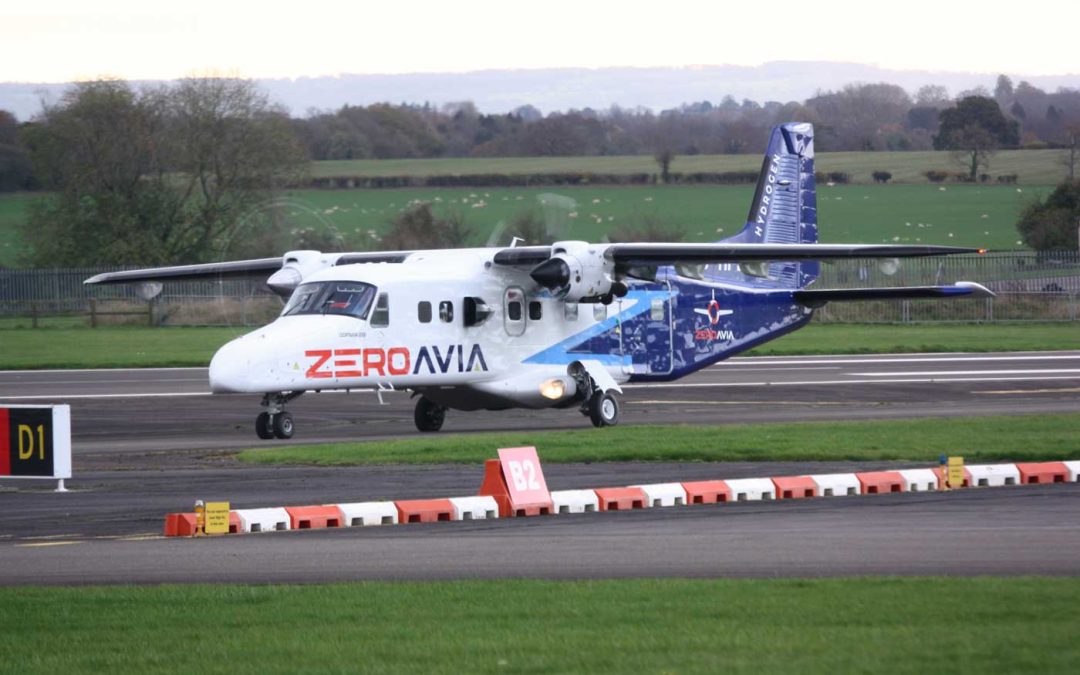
<point x="101" y="370"/>
<point x="826" y="360"/>
<point x="931" y="373"/>
<point x="143" y="395"/>
<point x="696" y="385"/>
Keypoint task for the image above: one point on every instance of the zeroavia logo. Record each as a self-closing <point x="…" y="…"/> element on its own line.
<point x="766" y="195"/>
<point x="356" y="362"/>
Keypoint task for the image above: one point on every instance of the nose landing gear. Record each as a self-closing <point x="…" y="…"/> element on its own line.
<point x="275" y="422"/>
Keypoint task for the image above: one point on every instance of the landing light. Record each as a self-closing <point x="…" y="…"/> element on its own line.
<point x="553" y="389"/>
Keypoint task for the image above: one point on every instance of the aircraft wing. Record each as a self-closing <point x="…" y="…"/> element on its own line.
<point x="817" y="298"/>
<point x="233" y="269"/>
<point x="671" y="254"/>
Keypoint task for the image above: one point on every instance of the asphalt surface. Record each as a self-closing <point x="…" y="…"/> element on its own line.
<point x="137" y="411"/>
<point x="151" y="442"/>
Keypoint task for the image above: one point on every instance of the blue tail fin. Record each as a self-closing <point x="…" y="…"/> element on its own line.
<point x="784" y="209"/>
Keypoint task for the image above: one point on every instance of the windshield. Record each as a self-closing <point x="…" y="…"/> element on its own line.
<point x="350" y="298"/>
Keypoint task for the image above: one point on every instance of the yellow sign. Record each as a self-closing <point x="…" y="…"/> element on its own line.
<point x="956" y="472"/>
<point x="217" y="517"/>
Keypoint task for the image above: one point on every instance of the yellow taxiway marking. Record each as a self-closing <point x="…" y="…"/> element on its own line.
<point x="1063" y="390"/>
<point x="40" y="544"/>
<point x="51" y="536"/>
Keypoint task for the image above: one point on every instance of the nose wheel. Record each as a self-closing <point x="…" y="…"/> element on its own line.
<point x="603" y="409"/>
<point x="275" y="422"/>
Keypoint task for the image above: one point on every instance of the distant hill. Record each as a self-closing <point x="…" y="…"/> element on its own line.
<point x="495" y="91"/>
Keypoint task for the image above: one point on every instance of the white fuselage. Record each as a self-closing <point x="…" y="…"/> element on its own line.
<point x="410" y="346"/>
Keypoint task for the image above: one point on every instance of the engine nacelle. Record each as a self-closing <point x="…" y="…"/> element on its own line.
<point x="297" y="266"/>
<point x="578" y="272"/>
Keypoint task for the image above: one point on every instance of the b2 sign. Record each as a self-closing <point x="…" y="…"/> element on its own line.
<point x="35" y="442"/>
<point x="524" y="477"/>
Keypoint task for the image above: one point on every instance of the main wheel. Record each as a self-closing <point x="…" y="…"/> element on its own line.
<point x="264" y="426"/>
<point x="429" y="416"/>
<point x="283" y="425"/>
<point x="603" y="410"/>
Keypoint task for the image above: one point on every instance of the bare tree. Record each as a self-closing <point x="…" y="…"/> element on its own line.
<point x="972" y="148"/>
<point x="1072" y="148"/>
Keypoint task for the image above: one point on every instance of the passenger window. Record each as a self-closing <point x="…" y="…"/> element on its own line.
<point x="536" y="311"/>
<point x="513" y="319"/>
<point x="656" y="310"/>
<point x="446" y="311"/>
<point x="599" y="311"/>
<point x="423" y="312"/>
<point x="380" y="316"/>
<point x="570" y="311"/>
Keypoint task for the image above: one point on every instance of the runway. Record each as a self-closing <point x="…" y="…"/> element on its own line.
<point x="153" y="410"/>
<point x="147" y="442"/>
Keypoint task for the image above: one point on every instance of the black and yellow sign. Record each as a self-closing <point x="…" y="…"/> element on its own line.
<point x="26" y="442"/>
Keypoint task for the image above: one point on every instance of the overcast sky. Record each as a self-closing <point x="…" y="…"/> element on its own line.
<point x="64" y="40"/>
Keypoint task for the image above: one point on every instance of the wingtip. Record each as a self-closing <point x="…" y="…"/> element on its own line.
<point x="977" y="290"/>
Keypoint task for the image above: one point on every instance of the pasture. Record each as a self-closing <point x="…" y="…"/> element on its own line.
<point x="1031" y="166"/>
<point x="953" y="214"/>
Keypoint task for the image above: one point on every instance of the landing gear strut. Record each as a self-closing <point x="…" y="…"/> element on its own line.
<point x="601" y="407"/>
<point x="429" y="415"/>
<point x="275" y="422"/>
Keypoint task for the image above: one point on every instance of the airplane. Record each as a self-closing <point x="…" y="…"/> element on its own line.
<point x="559" y="326"/>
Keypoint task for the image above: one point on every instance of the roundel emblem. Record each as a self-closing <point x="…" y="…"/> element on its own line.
<point x="713" y="312"/>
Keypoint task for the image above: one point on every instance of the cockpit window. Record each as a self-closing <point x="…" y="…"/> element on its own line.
<point x="348" y="298"/>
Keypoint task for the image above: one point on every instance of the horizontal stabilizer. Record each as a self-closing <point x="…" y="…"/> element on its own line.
<point x="817" y="298"/>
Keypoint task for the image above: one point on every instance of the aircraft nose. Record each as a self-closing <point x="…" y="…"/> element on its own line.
<point x="230" y="369"/>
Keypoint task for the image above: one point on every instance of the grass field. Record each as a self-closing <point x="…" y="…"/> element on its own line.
<point x="1032" y="166"/>
<point x="962" y="215"/>
<point x="912" y="625"/>
<point x="139" y="346"/>
<point x="989" y="438"/>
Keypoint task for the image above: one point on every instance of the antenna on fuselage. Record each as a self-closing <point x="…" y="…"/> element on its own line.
<point x="514" y="241"/>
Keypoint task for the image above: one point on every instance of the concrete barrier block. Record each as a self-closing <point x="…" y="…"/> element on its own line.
<point x="942" y="477"/>
<point x="707" y="492"/>
<point x="263" y="520"/>
<point x="367" y="514"/>
<point x="794" y="487"/>
<point x="879" y="482"/>
<point x="664" y="494"/>
<point x="574" y="501"/>
<point x="424" y="510"/>
<point x="475" y="508"/>
<point x="622" y="499"/>
<point x="1039" y="473"/>
<point x="993" y="475"/>
<point x="1073" y="468"/>
<point x="751" y="489"/>
<point x="314" y="517"/>
<point x="836" y="484"/>
<point x="919" y="480"/>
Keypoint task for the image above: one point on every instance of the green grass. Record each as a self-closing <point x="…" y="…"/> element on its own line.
<point x="64" y="346"/>
<point x="911" y="625"/>
<point x="975" y="215"/>
<point x="960" y="215"/>
<point x="988" y="438"/>
<point x="1032" y="166"/>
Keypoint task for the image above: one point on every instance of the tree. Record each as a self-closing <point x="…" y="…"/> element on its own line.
<point x="155" y="176"/>
<point x="664" y="157"/>
<point x="15" y="169"/>
<point x="418" y="228"/>
<point x="973" y="129"/>
<point x="1052" y="224"/>
<point x="1072" y="149"/>
<point x="932" y="95"/>
<point x="1003" y="90"/>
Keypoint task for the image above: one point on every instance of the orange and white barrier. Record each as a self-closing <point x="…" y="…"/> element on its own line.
<point x="424" y="510"/>
<point x="314" y="517"/>
<point x="663" y="494"/>
<point x="475" y="508"/>
<point x="993" y="475"/>
<point x="574" y="501"/>
<point x="919" y="480"/>
<point x="795" y="487"/>
<point x="621" y="499"/>
<point x="879" y="482"/>
<point x="367" y="514"/>
<point x="836" y="484"/>
<point x="751" y="489"/>
<point x="1040" y="473"/>
<point x="263" y="520"/>
<point x="707" y="492"/>
<point x="1074" y="471"/>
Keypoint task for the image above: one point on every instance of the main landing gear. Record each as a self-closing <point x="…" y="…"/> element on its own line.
<point x="429" y="415"/>
<point x="275" y="422"/>
<point x="601" y="407"/>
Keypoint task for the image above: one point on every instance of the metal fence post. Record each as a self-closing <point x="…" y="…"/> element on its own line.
<point x="93" y="312"/>
<point x="33" y="315"/>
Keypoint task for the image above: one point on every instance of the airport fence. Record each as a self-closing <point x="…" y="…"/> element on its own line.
<point x="1030" y="286"/>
